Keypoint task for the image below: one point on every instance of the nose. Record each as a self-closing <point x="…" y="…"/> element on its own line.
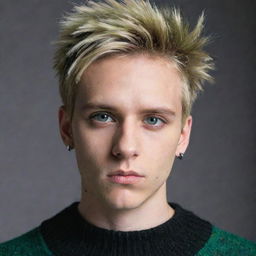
<point x="125" y="141"/>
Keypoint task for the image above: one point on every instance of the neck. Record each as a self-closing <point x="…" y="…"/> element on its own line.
<point x="148" y="214"/>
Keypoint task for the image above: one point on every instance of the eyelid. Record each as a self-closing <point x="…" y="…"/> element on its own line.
<point x="163" y="120"/>
<point x="158" y="117"/>
<point x="101" y="112"/>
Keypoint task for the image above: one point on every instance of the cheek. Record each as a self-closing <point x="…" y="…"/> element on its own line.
<point x="91" y="146"/>
<point x="163" y="148"/>
<point x="163" y="164"/>
<point x="162" y="156"/>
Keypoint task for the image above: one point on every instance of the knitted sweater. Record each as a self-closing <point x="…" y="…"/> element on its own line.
<point x="185" y="234"/>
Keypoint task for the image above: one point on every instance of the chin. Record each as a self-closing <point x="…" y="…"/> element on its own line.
<point x="124" y="200"/>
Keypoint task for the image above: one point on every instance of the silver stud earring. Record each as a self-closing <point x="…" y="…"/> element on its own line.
<point x="180" y="156"/>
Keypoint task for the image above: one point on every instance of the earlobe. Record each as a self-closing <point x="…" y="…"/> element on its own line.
<point x="65" y="126"/>
<point x="184" y="137"/>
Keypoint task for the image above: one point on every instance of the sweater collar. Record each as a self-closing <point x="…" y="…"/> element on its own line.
<point x="69" y="234"/>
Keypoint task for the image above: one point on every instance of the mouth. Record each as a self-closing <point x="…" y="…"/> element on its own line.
<point x="125" y="177"/>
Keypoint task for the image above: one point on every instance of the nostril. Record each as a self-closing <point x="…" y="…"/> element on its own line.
<point x="118" y="154"/>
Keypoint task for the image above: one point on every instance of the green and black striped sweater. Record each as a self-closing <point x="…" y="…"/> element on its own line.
<point x="185" y="234"/>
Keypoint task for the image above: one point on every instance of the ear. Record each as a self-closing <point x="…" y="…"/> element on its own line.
<point x="184" y="136"/>
<point x="65" y="127"/>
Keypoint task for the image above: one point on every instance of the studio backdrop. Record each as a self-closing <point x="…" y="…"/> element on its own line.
<point x="39" y="177"/>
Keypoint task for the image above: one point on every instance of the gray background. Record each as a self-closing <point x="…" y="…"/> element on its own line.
<point x="38" y="177"/>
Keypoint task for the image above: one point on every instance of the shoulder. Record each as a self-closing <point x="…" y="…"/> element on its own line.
<point x="222" y="243"/>
<point x="28" y="244"/>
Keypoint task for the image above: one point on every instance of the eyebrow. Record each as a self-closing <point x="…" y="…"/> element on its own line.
<point x="155" y="110"/>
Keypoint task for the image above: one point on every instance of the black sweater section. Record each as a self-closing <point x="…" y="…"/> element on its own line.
<point x="69" y="234"/>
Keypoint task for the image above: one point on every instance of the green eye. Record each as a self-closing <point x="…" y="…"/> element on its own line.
<point x="102" y="117"/>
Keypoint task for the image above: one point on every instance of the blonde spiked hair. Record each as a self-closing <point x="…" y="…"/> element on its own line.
<point x="100" y="29"/>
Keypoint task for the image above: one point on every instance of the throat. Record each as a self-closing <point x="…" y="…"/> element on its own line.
<point x="140" y="218"/>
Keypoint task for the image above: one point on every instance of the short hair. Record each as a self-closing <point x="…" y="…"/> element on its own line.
<point x="99" y="29"/>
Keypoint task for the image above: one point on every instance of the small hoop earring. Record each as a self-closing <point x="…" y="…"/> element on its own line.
<point x="180" y="156"/>
<point x="69" y="148"/>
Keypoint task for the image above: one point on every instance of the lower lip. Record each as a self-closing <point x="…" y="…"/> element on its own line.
<point x="129" y="179"/>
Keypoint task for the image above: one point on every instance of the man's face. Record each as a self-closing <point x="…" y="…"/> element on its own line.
<point x="127" y="116"/>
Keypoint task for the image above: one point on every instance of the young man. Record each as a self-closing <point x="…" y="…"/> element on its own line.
<point x="129" y="74"/>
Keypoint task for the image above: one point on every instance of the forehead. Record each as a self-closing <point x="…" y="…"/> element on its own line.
<point x="131" y="81"/>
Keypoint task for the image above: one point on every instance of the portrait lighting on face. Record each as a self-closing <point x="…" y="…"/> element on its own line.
<point x="127" y="130"/>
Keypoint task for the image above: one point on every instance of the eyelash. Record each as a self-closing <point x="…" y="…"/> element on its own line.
<point x="109" y="115"/>
<point x="99" y="113"/>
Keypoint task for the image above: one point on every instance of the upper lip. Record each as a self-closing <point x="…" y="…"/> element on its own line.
<point x="125" y="173"/>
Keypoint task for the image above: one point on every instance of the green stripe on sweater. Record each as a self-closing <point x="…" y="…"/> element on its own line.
<point x="223" y="243"/>
<point x="220" y="243"/>
<point x="28" y="244"/>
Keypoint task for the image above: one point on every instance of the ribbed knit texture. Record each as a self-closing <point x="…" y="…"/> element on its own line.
<point x="185" y="234"/>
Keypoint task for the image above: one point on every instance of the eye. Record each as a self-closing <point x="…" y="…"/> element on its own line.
<point x="102" y="117"/>
<point x="155" y="121"/>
